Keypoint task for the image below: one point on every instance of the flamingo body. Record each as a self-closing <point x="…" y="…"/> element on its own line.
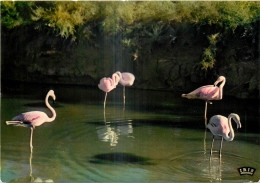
<point x="108" y="84"/>
<point x="126" y="78"/>
<point x="218" y="125"/>
<point x="208" y="93"/>
<point x="221" y="126"/>
<point x="34" y="118"/>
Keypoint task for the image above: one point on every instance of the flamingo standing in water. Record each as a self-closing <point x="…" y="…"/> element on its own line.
<point x="207" y="93"/>
<point x="126" y="79"/>
<point x="108" y="84"/>
<point x="34" y="118"/>
<point x="221" y="126"/>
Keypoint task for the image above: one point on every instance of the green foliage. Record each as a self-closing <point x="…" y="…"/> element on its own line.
<point x="228" y="14"/>
<point x="135" y="21"/>
<point x="111" y="19"/>
<point x="155" y="11"/>
<point x="15" y="14"/>
<point x="209" y="53"/>
<point x="196" y="12"/>
<point x="65" y="17"/>
<point x="234" y="14"/>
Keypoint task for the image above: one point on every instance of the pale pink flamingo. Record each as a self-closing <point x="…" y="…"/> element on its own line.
<point x="126" y="79"/>
<point x="208" y="93"/>
<point x="108" y="84"/>
<point x="221" y="126"/>
<point x="34" y="118"/>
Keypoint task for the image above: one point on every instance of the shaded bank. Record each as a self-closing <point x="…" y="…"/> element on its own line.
<point x="170" y="63"/>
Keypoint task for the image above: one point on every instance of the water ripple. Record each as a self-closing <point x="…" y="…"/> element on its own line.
<point x="197" y="164"/>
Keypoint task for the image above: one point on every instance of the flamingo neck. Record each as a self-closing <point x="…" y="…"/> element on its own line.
<point x="232" y="134"/>
<point x="115" y="79"/>
<point x="51" y="109"/>
<point x="119" y="74"/>
<point x="221" y="88"/>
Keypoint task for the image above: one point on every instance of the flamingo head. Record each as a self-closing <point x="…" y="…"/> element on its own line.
<point x="220" y="79"/>
<point x="236" y="119"/>
<point x="51" y="93"/>
<point x="116" y="78"/>
<point x="119" y="74"/>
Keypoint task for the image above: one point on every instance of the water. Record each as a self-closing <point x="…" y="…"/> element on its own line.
<point x="160" y="137"/>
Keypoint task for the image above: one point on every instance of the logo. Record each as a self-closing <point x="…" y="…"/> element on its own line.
<point x="246" y="171"/>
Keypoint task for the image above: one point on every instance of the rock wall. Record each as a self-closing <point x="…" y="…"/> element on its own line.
<point x="37" y="57"/>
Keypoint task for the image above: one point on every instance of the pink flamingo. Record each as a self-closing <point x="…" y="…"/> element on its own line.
<point x="34" y="118"/>
<point x="126" y="79"/>
<point x="108" y="84"/>
<point x="207" y="93"/>
<point x="221" y="126"/>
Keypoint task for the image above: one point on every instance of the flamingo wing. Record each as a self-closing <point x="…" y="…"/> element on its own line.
<point x="106" y="84"/>
<point x="127" y="79"/>
<point x="208" y="92"/>
<point x="218" y="125"/>
<point x="35" y="118"/>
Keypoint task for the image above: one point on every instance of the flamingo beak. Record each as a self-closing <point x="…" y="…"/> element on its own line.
<point x="218" y="80"/>
<point x="239" y="126"/>
<point x="215" y="84"/>
<point x="54" y="98"/>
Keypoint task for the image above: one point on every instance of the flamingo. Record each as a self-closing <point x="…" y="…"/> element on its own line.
<point x="34" y="118"/>
<point x="221" y="126"/>
<point x="208" y="93"/>
<point x="108" y="84"/>
<point x="126" y="79"/>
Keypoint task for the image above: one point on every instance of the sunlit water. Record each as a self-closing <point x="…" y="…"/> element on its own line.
<point x="160" y="137"/>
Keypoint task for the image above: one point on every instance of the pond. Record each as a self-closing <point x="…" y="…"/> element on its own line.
<point x="159" y="137"/>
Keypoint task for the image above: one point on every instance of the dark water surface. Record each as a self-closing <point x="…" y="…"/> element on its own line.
<point x="160" y="137"/>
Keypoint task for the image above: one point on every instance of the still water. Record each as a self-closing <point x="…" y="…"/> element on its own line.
<point x="159" y="137"/>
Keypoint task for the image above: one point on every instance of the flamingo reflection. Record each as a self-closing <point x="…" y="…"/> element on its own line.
<point x="111" y="132"/>
<point x="215" y="169"/>
<point x="37" y="179"/>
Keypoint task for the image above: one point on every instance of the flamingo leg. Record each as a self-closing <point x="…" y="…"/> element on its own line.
<point x="105" y="108"/>
<point x="205" y="116"/>
<point x="31" y="146"/>
<point x="220" y="149"/>
<point x="211" y="148"/>
<point x="124" y="95"/>
<point x="32" y="178"/>
<point x="105" y="101"/>
<point x="105" y="117"/>
<point x="204" y="145"/>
